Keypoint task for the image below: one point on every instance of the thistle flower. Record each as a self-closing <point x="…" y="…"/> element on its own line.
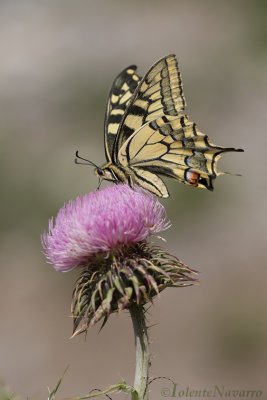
<point x="105" y="233"/>
<point x="101" y="222"/>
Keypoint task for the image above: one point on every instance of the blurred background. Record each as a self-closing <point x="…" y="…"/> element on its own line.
<point x="58" y="61"/>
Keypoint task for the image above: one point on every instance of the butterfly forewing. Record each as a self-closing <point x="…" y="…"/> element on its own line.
<point x="159" y="92"/>
<point x="120" y="94"/>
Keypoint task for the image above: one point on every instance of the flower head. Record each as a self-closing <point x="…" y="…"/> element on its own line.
<point x="105" y="232"/>
<point x="101" y="221"/>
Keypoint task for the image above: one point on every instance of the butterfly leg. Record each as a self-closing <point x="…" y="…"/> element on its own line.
<point x="130" y="180"/>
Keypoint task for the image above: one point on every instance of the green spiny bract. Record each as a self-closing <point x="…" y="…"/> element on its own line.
<point x="130" y="275"/>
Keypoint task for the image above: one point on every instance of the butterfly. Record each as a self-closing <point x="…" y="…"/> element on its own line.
<point x="148" y="134"/>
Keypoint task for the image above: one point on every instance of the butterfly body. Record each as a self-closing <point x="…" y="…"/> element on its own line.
<point x="147" y="133"/>
<point x="111" y="172"/>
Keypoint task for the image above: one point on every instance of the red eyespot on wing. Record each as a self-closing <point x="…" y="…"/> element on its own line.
<point x="191" y="177"/>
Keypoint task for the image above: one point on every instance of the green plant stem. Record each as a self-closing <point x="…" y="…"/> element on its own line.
<point x="142" y="349"/>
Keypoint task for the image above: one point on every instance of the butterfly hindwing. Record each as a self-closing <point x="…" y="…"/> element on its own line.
<point x="120" y="94"/>
<point x="149" y="181"/>
<point x="174" y="147"/>
<point x="159" y="92"/>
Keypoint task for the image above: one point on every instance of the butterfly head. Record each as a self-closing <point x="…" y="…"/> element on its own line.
<point x="105" y="172"/>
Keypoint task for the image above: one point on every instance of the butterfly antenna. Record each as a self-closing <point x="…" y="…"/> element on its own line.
<point x="88" y="162"/>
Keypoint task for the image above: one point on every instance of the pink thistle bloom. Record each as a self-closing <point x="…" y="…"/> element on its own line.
<point x="101" y="222"/>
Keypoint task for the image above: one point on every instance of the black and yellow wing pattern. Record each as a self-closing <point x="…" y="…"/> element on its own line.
<point x="147" y="133"/>
<point x="159" y="93"/>
<point x="174" y="147"/>
<point x="120" y="94"/>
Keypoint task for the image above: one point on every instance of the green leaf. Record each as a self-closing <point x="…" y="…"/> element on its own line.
<point x="53" y="393"/>
<point x="122" y="386"/>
